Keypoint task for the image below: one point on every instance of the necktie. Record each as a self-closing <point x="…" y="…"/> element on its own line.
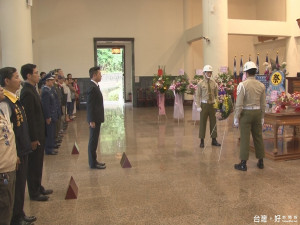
<point x="209" y="92"/>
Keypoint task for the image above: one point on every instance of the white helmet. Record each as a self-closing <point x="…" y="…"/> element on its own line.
<point x="207" y="68"/>
<point x="249" y="65"/>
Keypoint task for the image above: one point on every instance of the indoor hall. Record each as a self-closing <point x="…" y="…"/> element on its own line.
<point x="172" y="180"/>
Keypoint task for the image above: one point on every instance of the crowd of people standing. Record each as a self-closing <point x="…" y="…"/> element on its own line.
<point x="33" y="118"/>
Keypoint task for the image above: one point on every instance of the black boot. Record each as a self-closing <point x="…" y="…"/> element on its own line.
<point x="241" y="166"/>
<point x="202" y="143"/>
<point x="214" y="142"/>
<point x="260" y="164"/>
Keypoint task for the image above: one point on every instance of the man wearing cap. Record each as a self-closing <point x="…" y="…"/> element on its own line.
<point x="50" y="113"/>
<point x="249" y="115"/>
<point x="206" y="93"/>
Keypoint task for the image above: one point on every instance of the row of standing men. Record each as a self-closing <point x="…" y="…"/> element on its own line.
<point x="29" y="124"/>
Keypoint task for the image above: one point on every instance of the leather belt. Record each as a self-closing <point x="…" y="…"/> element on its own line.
<point x="251" y="107"/>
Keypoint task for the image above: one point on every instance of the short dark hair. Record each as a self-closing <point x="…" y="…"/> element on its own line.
<point x="42" y="73"/>
<point x="93" y="71"/>
<point x="6" y="72"/>
<point x="252" y="71"/>
<point x="68" y="75"/>
<point x="27" y="69"/>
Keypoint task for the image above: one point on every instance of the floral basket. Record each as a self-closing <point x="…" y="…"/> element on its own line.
<point x="224" y="106"/>
<point x="226" y="83"/>
<point x="161" y="81"/>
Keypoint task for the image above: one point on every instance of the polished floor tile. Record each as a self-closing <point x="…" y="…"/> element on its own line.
<point x="172" y="181"/>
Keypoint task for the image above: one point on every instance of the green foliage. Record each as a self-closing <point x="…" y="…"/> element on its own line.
<point x="114" y="95"/>
<point x="109" y="62"/>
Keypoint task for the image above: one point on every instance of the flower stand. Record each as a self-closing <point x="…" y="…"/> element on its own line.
<point x="161" y="104"/>
<point x="178" y="106"/>
<point x="195" y="113"/>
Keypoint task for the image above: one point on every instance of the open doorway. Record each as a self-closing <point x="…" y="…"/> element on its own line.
<point x="111" y="61"/>
<point x="126" y="46"/>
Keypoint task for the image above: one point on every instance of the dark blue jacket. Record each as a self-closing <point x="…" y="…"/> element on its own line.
<point x="49" y="104"/>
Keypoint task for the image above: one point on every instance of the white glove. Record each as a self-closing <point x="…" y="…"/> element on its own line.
<point x="199" y="109"/>
<point x="262" y="121"/>
<point x="236" y="122"/>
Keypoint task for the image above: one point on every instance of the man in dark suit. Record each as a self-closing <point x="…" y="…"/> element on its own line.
<point x="95" y="116"/>
<point x="50" y="109"/>
<point x="31" y="102"/>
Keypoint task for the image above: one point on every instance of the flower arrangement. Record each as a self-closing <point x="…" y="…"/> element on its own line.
<point x="295" y="101"/>
<point x="267" y="70"/>
<point x="191" y="89"/>
<point x="224" y="106"/>
<point x="283" y="100"/>
<point x="161" y="81"/>
<point x="225" y="83"/>
<point x="180" y="84"/>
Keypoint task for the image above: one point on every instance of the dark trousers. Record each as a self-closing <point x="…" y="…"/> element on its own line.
<point x="35" y="170"/>
<point x="50" y="138"/>
<point x="21" y="175"/>
<point x="93" y="144"/>
<point x="7" y="193"/>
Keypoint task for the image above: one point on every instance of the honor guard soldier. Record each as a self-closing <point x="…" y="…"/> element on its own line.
<point x="207" y="92"/>
<point x="249" y="115"/>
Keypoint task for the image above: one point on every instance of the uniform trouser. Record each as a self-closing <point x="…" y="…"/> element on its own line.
<point x="93" y="144"/>
<point x="35" y="170"/>
<point x="50" y="138"/>
<point x="7" y="193"/>
<point x="208" y="110"/>
<point x="57" y="126"/>
<point x="21" y="175"/>
<point x="250" y="121"/>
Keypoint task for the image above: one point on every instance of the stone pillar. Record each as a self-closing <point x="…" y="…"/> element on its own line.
<point x="293" y="43"/>
<point x="188" y="54"/>
<point x="215" y="28"/>
<point x="16" y="37"/>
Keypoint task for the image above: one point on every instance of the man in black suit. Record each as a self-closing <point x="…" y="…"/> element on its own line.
<point x="95" y="116"/>
<point x="31" y="102"/>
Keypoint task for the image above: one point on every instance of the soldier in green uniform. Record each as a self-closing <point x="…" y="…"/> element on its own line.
<point x="249" y="114"/>
<point x="206" y="93"/>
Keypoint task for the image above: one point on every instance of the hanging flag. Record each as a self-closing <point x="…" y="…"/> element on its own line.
<point x="234" y="68"/>
<point x="267" y="58"/>
<point x="277" y="62"/>
<point x="249" y="57"/>
<point x="257" y="64"/>
<point x="241" y="68"/>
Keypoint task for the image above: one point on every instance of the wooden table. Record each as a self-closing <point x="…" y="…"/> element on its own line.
<point x="278" y="119"/>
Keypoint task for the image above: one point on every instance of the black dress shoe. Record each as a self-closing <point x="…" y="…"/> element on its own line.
<point x="56" y="146"/>
<point x="214" y="142"/>
<point x="100" y="163"/>
<point x="29" y="219"/>
<point x="40" y="198"/>
<point x="51" y="153"/>
<point x="47" y="192"/>
<point x="260" y="164"/>
<point x="99" y="167"/>
<point x="23" y="222"/>
<point x="241" y="166"/>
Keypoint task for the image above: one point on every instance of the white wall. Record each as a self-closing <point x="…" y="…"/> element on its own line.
<point x="64" y="32"/>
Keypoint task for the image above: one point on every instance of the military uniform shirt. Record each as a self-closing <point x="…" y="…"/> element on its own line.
<point x="250" y="93"/>
<point x="202" y="91"/>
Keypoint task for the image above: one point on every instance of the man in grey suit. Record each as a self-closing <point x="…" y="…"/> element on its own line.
<point x="95" y="116"/>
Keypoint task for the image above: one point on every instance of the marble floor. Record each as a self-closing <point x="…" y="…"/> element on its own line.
<point x="172" y="181"/>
